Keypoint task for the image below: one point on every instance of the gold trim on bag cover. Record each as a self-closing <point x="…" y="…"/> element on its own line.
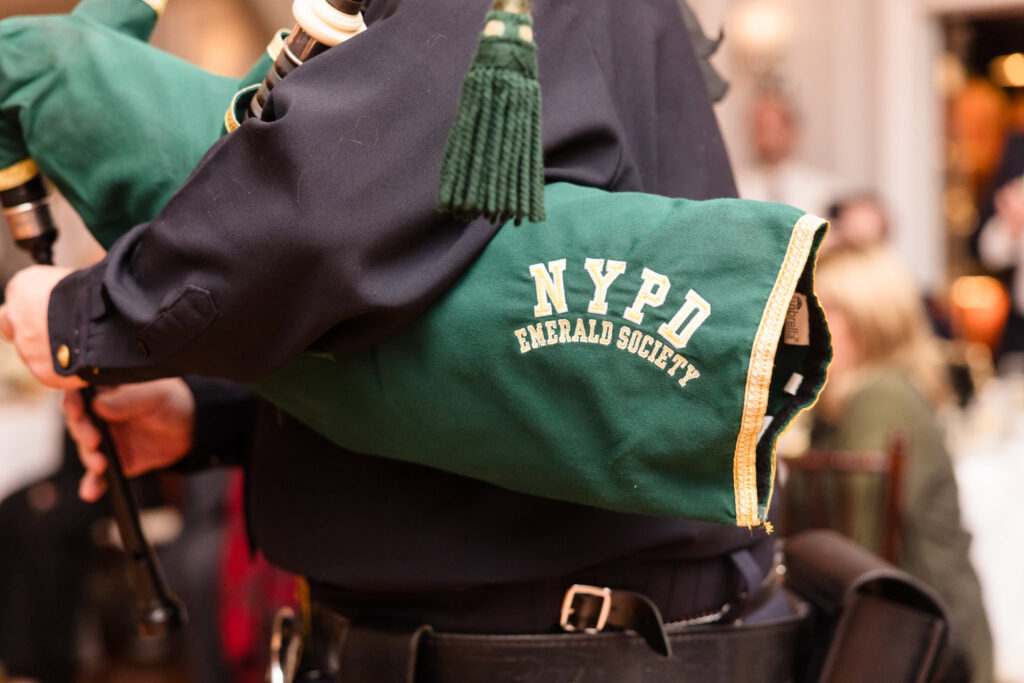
<point x="762" y="360"/>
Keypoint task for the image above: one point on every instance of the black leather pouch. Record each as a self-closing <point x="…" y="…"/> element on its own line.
<point x="872" y="621"/>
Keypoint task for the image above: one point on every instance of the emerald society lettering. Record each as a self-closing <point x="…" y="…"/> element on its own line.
<point x="659" y="347"/>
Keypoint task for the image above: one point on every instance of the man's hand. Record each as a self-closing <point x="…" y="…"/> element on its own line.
<point x="1009" y="203"/>
<point x="152" y="425"/>
<point x="23" y="320"/>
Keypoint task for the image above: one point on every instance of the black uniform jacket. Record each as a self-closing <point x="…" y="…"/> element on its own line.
<point x="315" y="229"/>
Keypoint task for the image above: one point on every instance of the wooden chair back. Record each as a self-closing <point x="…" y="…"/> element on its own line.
<point x="856" y="493"/>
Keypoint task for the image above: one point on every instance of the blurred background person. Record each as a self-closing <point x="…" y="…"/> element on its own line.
<point x="857" y="219"/>
<point x="861" y="220"/>
<point x="1000" y="239"/>
<point x="888" y="377"/>
<point x="777" y="174"/>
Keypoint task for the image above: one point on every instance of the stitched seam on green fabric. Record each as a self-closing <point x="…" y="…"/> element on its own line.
<point x="759" y="373"/>
<point x="771" y="487"/>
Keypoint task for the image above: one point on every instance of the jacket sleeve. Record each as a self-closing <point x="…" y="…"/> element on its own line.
<point x="315" y="224"/>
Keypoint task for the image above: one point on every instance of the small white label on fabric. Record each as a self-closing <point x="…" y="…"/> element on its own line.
<point x="797" y="331"/>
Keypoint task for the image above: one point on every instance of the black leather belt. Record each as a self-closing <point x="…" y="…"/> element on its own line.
<point x="368" y="652"/>
<point x="764" y="653"/>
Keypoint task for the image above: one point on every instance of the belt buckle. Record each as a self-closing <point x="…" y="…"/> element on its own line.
<point x="570" y="598"/>
<point x="285" y="647"/>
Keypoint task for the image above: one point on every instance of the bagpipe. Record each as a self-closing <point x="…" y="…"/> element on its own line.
<point x="621" y="350"/>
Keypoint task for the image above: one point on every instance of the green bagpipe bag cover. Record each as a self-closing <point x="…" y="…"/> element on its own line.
<point x="632" y="352"/>
<point x="116" y="124"/>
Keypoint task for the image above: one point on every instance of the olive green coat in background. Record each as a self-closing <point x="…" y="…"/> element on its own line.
<point x="935" y="546"/>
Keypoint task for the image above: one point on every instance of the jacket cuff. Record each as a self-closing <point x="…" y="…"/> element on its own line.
<point x="70" y="311"/>
<point x="91" y="339"/>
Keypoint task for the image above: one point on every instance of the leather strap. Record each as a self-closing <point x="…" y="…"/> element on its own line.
<point x="766" y="653"/>
<point x="862" y="648"/>
<point x="755" y="588"/>
<point x="378" y="652"/>
<point x="591" y="609"/>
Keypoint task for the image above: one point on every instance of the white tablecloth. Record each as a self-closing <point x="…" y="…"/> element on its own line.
<point x="988" y="447"/>
<point x="30" y="441"/>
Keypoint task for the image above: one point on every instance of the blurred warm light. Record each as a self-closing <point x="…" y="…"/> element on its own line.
<point x="1008" y="70"/>
<point x="977" y="126"/>
<point x="950" y="74"/>
<point x="961" y="214"/>
<point x="978" y="308"/>
<point x="761" y="29"/>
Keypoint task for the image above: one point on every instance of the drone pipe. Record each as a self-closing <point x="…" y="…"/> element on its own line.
<point x="319" y="25"/>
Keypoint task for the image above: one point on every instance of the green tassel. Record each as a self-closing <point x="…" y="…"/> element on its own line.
<point x="493" y="164"/>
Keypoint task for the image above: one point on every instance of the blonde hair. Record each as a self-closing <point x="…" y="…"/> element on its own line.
<point x="885" y="314"/>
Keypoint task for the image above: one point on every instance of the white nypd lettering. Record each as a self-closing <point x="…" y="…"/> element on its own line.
<point x="646" y="345"/>
<point x="696" y="310"/>
<point x="603" y="276"/>
<point x="550" y="287"/>
<point x="652" y="293"/>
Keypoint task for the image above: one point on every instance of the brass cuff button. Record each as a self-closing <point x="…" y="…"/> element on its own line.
<point x="64" y="355"/>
